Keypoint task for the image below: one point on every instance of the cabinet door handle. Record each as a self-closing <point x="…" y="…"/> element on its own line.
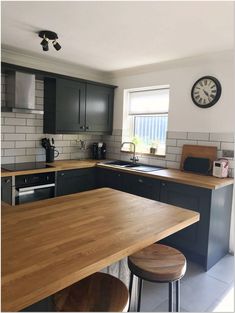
<point x="163" y="184"/>
<point x="62" y="174"/>
<point x="7" y="181"/>
<point x="82" y="127"/>
<point x="87" y="127"/>
<point x="140" y="180"/>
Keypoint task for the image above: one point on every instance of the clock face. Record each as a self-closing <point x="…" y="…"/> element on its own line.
<point x="206" y="91"/>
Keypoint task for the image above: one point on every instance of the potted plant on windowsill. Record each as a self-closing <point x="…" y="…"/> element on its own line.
<point x="153" y="147"/>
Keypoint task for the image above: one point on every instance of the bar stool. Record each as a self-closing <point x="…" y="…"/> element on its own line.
<point x="99" y="292"/>
<point x="161" y="264"/>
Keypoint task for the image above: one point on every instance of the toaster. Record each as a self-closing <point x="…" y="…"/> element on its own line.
<point x="220" y="168"/>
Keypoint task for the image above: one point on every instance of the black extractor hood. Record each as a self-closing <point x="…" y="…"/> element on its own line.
<point x="20" y="93"/>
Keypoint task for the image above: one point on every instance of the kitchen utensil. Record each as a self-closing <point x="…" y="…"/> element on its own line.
<point x="206" y="152"/>
<point x="51" y="154"/>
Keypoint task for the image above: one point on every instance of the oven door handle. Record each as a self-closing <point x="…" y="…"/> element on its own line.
<point x="35" y="187"/>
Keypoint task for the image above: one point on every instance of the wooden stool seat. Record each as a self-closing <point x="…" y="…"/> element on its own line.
<point x="158" y="263"/>
<point x="99" y="292"/>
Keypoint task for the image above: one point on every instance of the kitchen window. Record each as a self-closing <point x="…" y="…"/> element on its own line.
<point x="146" y="119"/>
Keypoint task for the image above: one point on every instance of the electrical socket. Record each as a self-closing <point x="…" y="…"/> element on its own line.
<point x="227" y="153"/>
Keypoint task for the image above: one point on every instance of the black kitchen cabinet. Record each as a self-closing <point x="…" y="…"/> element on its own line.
<point x="142" y="186"/>
<point x="135" y="184"/>
<point x="72" y="107"/>
<point x="207" y="241"/>
<point x="72" y="181"/>
<point x="64" y="106"/>
<point x="109" y="178"/>
<point x="6" y="189"/>
<point x="99" y="108"/>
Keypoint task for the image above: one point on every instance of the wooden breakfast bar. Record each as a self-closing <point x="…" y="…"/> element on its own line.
<point x="50" y="244"/>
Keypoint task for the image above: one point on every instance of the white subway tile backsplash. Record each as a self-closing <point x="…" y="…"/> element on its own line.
<point x="227" y="137"/>
<point x="198" y="136"/>
<point x="62" y="143"/>
<point x="171" y="142"/>
<point x="34" y="136"/>
<point x="176" y="135"/>
<point x="14" y="152"/>
<point x="15" y="121"/>
<point x="22" y="159"/>
<point x="25" y="130"/>
<point x="35" y="151"/>
<point x="14" y="137"/>
<point x="170" y="157"/>
<point x="6" y="160"/>
<point x="181" y="142"/>
<point x="227" y="146"/>
<point x="27" y="116"/>
<point x="210" y="143"/>
<point x="174" y="150"/>
<point x="8" y="129"/>
<point x="25" y="144"/>
<point x="41" y="158"/>
<point x="8" y="114"/>
<point x="170" y="164"/>
<point x="8" y="144"/>
<point x="34" y="122"/>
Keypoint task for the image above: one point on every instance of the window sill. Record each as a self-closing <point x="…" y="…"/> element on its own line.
<point x="144" y="154"/>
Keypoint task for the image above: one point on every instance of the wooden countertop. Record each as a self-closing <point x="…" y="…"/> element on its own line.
<point x="55" y="166"/>
<point x="177" y="176"/>
<point x="50" y="244"/>
<point x="209" y="182"/>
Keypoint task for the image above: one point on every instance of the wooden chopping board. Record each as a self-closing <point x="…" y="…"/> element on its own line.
<point x="209" y="152"/>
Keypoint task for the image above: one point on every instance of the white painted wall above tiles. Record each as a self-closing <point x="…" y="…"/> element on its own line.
<point x="181" y="75"/>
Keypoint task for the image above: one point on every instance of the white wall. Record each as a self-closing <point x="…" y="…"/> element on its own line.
<point x="50" y="64"/>
<point x="180" y="75"/>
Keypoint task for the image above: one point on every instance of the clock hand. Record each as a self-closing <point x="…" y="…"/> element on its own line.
<point x="206" y="93"/>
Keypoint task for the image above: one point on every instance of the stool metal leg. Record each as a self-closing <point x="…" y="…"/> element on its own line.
<point x="139" y="294"/>
<point x="171" y="296"/>
<point x="130" y="290"/>
<point x="178" y="296"/>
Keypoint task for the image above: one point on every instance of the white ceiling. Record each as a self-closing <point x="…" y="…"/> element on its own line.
<point x="109" y="36"/>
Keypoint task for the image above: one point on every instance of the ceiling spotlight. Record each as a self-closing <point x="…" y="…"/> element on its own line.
<point x="44" y="42"/>
<point x="56" y="45"/>
<point x="47" y="36"/>
<point x="45" y="47"/>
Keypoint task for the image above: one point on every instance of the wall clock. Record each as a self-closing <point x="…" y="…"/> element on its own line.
<point x="206" y="91"/>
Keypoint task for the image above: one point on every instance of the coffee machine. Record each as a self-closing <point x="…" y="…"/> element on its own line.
<point x="99" y="150"/>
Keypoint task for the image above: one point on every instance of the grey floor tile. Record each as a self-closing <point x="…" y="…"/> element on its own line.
<point x="199" y="292"/>
<point x="153" y="294"/>
<point x="224" y="269"/>
<point x="163" y="307"/>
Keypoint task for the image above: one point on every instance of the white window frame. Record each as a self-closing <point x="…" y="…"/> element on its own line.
<point x="126" y="133"/>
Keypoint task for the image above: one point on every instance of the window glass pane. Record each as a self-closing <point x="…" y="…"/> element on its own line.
<point x="151" y="129"/>
<point x="149" y="101"/>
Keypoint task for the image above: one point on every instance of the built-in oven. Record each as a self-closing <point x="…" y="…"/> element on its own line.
<point x="33" y="187"/>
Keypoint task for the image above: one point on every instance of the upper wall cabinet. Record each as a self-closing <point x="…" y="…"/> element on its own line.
<point x="71" y="106"/>
<point x="99" y="108"/>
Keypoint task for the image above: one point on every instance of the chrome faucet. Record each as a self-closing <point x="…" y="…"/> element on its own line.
<point x="134" y="159"/>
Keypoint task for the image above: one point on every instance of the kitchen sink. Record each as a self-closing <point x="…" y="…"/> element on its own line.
<point x="134" y="166"/>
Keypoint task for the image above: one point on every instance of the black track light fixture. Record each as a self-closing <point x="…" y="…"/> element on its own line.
<point x="56" y="45"/>
<point x="49" y="35"/>
<point x="45" y="47"/>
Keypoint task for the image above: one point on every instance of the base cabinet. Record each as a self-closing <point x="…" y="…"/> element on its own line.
<point x="6" y="189"/>
<point x="207" y="241"/>
<point x="72" y="181"/>
<point x="135" y="184"/>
